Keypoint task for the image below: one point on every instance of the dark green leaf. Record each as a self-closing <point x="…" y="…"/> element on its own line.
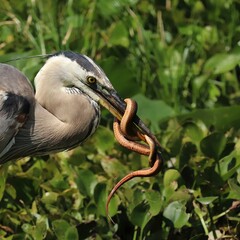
<point x="213" y="145"/>
<point x="3" y="177"/>
<point x="140" y="215"/>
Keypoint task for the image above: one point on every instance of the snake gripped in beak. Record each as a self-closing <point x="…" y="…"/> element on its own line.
<point x="116" y="105"/>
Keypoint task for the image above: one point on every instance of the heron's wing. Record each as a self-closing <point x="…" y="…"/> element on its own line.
<point x="14" y="110"/>
<point x="16" y="96"/>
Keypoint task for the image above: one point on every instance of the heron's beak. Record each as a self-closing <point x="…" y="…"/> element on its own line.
<point x="113" y="103"/>
<point x="117" y="106"/>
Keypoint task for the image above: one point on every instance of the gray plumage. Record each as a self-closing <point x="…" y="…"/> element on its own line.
<point x="60" y="116"/>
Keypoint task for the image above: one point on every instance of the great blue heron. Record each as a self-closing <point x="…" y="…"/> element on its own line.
<point x="64" y="110"/>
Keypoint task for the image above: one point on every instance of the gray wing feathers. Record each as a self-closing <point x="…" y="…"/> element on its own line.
<point x="16" y="96"/>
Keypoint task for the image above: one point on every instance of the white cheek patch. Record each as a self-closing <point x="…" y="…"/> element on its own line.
<point x="64" y="72"/>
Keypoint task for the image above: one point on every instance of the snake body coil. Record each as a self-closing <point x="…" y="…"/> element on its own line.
<point x="126" y="136"/>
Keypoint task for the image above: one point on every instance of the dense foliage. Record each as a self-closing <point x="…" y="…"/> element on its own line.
<point x="180" y="61"/>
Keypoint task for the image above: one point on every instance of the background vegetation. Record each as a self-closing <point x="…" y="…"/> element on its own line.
<point x="180" y="61"/>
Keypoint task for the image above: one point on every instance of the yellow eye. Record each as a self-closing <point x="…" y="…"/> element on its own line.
<point x="91" y="80"/>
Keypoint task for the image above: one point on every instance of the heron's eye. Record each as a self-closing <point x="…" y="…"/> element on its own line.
<point x="91" y="80"/>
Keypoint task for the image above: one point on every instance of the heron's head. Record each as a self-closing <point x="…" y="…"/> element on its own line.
<point x="81" y="73"/>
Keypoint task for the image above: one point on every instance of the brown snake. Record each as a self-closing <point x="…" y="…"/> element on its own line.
<point x="125" y="135"/>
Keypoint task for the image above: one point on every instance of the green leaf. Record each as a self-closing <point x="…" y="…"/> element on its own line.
<point x="100" y="197"/>
<point x="158" y="111"/>
<point x="170" y="176"/>
<point x="41" y="227"/>
<point x="119" y="35"/>
<point x="125" y="85"/>
<point x="71" y="234"/>
<point x="222" y="62"/>
<point x="222" y="118"/>
<point x="193" y="131"/>
<point x="49" y="197"/>
<point x="170" y="183"/>
<point x="39" y="231"/>
<point x="113" y="167"/>
<point x="206" y="200"/>
<point x="140" y="216"/>
<point x="64" y="231"/>
<point x="103" y="139"/>
<point x="230" y="164"/>
<point x="155" y="201"/>
<point x="3" y="177"/>
<point x="234" y="189"/>
<point x="176" y="213"/>
<point x="86" y="181"/>
<point x="213" y="145"/>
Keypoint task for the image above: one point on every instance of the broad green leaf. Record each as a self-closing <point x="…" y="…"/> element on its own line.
<point x="193" y="131"/>
<point x="41" y="227"/>
<point x="100" y="197"/>
<point x="206" y="200"/>
<point x="121" y="75"/>
<point x="197" y="84"/>
<point x="213" y="145"/>
<point x="86" y="181"/>
<point x="37" y="232"/>
<point x="113" y="167"/>
<point x="170" y="182"/>
<point x="176" y="213"/>
<point x="229" y="164"/>
<point x="140" y="215"/>
<point x="64" y="231"/>
<point x="222" y="62"/>
<point x="234" y="189"/>
<point x="71" y="233"/>
<point x="11" y="191"/>
<point x="103" y="139"/>
<point x="170" y="176"/>
<point x="107" y="9"/>
<point x="119" y="35"/>
<point x="180" y="194"/>
<point x="222" y="118"/>
<point x="158" y="111"/>
<point x="49" y="197"/>
<point x="155" y="201"/>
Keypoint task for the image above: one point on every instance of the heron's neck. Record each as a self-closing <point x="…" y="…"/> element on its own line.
<point x="45" y="133"/>
<point x="55" y="132"/>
